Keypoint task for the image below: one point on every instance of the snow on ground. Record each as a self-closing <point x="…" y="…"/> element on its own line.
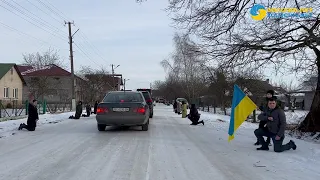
<point x="303" y="162"/>
<point x="9" y="127"/>
<point x="171" y="149"/>
<point x="292" y="117"/>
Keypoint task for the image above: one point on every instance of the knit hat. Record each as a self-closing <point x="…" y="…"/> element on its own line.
<point x="270" y="92"/>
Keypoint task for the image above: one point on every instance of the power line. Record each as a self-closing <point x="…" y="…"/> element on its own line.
<point x="44" y="12"/>
<point x="50" y="9"/>
<point x="93" y="47"/>
<point x="31" y="22"/>
<point x="28" y="35"/>
<point x="57" y="10"/>
<point x="82" y="35"/>
<point x="78" y="47"/>
<point x="25" y="14"/>
<point x="45" y="22"/>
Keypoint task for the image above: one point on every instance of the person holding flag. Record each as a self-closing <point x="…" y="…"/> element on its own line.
<point x="242" y="107"/>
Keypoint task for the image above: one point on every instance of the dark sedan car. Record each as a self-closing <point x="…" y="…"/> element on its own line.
<point x="123" y="108"/>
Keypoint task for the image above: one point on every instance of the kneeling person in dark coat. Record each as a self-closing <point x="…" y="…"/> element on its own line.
<point x="33" y="117"/>
<point x="78" y="111"/>
<point x="276" y="124"/>
<point x="194" y="116"/>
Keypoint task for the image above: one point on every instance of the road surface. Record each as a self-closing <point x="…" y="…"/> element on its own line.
<point x="170" y="150"/>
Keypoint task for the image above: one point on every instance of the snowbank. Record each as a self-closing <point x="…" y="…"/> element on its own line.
<point x="292" y="117"/>
<point x="7" y="128"/>
<point x="221" y="121"/>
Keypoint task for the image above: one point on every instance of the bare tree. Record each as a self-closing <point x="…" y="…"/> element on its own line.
<point x="41" y="86"/>
<point x="97" y="83"/>
<point x="185" y="67"/>
<point x="220" y="89"/>
<point x="234" y="40"/>
<point x="39" y="60"/>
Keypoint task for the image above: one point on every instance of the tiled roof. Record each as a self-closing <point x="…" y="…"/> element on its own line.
<point x="49" y="70"/>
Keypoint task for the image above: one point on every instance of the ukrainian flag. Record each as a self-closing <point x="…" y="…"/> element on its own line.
<point x="242" y="107"/>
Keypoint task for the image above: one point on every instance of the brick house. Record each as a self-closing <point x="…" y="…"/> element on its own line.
<point x="51" y="83"/>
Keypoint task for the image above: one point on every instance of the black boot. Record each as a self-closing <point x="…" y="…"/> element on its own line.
<point x="263" y="148"/>
<point x="20" y="127"/>
<point x="293" y="145"/>
<point x="268" y="141"/>
<point x="257" y="143"/>
<point x="201" y="122"/>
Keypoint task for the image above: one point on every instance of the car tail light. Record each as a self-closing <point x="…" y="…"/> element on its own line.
<point x="102" y="110"/>
<point x="140" y="110"/>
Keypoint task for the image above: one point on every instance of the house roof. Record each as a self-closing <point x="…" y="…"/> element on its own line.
<point x="254" y="85"/>
<point x="105" y="77"/>
<point x="5" y="67"/>
<point x="49" y="70"/>
<point x="308" y="86"/>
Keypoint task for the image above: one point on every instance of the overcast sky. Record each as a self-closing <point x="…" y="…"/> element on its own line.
<point x="121" y="32"/>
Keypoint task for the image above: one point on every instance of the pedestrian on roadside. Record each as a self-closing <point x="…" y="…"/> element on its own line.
<point x="95" y="107"/>
<point x="179" y="107"/>
<point x="184" y="109"/>
<point x="33" y="117"/>
<point x="78" y="111"/>
<point x="276" y="124"/>
<point x="88" y="109"/>
<point x="175" y="106"/>
<point x="194" y="115"/>
<point x="263" y="108"/>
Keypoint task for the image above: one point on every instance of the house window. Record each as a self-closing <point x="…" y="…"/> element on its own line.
<point x="15" y="93"/>
<point x="6" y="92"/>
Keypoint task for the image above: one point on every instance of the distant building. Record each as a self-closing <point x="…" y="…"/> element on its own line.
<point x="11" y="84"/>
<point x="51" y="83"/>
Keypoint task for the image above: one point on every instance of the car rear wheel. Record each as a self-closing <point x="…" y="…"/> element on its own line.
<point x="101" y="127"/>
<point x="145" y="127"/>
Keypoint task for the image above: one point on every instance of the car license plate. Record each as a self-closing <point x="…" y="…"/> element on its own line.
<point x="120" y="109"/>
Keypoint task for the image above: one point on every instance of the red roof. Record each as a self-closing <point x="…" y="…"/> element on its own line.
<point x="49" y="70"/>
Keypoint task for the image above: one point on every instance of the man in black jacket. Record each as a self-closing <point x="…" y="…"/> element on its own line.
<point x="263" y="108"/>
<point x="276" y="124"/>
<point x="95" y="107"/>
<point x="33" y="117"/>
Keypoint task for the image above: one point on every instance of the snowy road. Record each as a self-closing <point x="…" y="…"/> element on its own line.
<point x="171" y="149"/>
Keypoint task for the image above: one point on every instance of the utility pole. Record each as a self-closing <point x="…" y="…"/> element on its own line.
<point x="124" y="84"/>
<point x="113" y="68"/>
<point x="73" y="101"/>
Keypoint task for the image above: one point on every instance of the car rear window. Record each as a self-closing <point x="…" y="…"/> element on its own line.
<point x="146" y="95"/>
<point x="123" y="97"/>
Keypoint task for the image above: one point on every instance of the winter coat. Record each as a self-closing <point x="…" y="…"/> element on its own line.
<point x="95" y="107"/>
<point x="193" y="112"/>
<point x="179" y="107"/>
<point x="32" y="115"/>
<point x="184" y="110"/>
<point x="278" y="125"/>
<point x="78" y="111"/>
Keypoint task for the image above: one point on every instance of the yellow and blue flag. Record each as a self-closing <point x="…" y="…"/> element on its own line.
<point x="242" y="107"/>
